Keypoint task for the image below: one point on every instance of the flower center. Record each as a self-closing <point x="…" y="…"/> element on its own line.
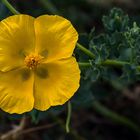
<point x="32" y="60"/>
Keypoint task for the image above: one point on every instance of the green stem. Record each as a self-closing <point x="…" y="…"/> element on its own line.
<point x="116" y="63"/>
<point x="62" y="126"/>
<point x="84" y="64"/>
<point x="10" y="7"/>
<point x="68" y="117"/>
<point x="115" y="117"/>
<point x="107" y="62"/>
<point x="49" y="6"/>
<point x="86" y="51"/>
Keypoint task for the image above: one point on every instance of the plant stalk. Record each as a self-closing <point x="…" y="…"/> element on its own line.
<point x="68" y="117"/>
<point x="85" y="50"/>
<point x="115" y="117"/>
<point x="10" y="7"/>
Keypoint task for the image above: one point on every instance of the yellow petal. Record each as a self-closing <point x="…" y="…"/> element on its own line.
<point x="16" y="91"/>
<point x="55" y="37"/>
<point x="55" y="83"/>
<point x="17" y="38"/>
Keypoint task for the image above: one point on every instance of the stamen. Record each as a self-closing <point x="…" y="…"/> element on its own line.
<point x="32" y="60"/>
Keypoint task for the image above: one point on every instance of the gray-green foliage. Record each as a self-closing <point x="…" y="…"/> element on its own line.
<point x="119" y="41"/>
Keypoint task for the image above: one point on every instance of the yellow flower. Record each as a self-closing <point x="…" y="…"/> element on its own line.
<point x="37" y="69"/>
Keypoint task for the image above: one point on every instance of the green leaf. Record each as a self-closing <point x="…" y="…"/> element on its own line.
<point x="116" y="21"/>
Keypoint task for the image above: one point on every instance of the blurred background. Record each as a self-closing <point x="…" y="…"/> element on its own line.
<point x="114" y="117"/>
